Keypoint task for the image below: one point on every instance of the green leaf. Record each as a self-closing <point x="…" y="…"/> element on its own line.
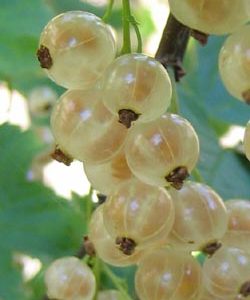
<point x="33" y="220"/>
<point x="21" y="22"/>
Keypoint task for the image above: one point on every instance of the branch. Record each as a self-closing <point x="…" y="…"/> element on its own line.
<point x="173" y="45"/>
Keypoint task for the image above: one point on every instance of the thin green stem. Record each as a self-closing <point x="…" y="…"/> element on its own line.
<point x="116" y="281"/>
<point x="97" y="269"/>
<point x="126" y="17"/>
<point x="137" y="32"/>
<point x="197" y="175"/>
<point x="108" y="11"/>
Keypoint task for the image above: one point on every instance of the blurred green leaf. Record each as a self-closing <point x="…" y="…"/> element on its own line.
<point x="21" y="22"/>
<point x="33" y="220"/>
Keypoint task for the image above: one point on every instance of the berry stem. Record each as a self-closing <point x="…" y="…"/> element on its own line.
<point x="197" y="176"/>
<point x="137" y="32"/>
<point x="126" y="17"/>
<point x="108" y="11"/>
<point x="97" y="269"/>
<point x="118" y="283"/>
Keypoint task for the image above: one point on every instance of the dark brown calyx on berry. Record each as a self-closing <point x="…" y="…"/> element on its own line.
<point x="246" y="96"/>
<point x="177" y="177"/>
<point x="245" y="289"/>
<point x="126" y="245"/>
<point x="201" y="37"/>
<point x="61" y="157"/>
<point x="127" y="116"/>
<point x="211" y="248"/>
<point x="44" y="57"/>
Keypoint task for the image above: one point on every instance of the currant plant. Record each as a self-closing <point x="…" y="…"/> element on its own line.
<point x="121" y="118"/>
<point x="146" y="131"/>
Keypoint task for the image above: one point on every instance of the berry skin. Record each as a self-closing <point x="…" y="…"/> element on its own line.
<point x="69" y="278"/>
<point x="168" y="274"/>
<point x="200" y="217"/>
<point x="211" y="16"/>
<point x="136" y="88"/>
<point x="162" y="152"/>
<point x="41" y="100"/>
<point x="137" y="214"/>
<point x="84" y="129"/>
<point x="238" y="228"/>
<point x="107" y="176"/>
<point x="105" y="245"/>
<point x="234" y="64"/>
<point x="246" y="141"/>
<point x="75" y="48"/>
<point x="226" y="274"/>
<point x="109" y="295"/>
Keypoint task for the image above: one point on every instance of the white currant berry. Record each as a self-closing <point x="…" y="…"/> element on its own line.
<point x="168" y="274"/>
<point x="84" y="129"/>
<point x="41" y="101"/>
<point x="211" y="16"/>
<point x="200" y="218"/>
<point x="69" y="278"/>
<point x="136" y="86"/>
<point x="246" y="141"/>
<point x="234" y="64"/>
<point x="109" y="295"/>
<point x="107" y="176"/>
<point x="162" y="152"/>
<point x="226" y="274"/>
<point x="105" y="246"/>
<point x="75" y="49"/>
<point x="137" y="214"/>
<point x="238" y="228"/>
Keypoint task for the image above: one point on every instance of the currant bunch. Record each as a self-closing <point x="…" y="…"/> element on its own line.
<point x="114" y="119"/>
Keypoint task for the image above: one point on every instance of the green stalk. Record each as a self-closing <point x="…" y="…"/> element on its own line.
<point x="126" y="48"/>
<point x="108" y="11"/>
<point x="197" y="175"/>
<point x="97" y="269"/>
<point x="137" y="32"/>
<point x="116" y="281"/>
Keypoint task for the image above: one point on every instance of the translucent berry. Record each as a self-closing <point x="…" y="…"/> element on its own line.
<point x="163" y="152"/>
<point x="107" y="176"/>
<point x="109" y="295"/>
<point x="246" y="141"/>
<point x="69" y="278"/>
<point x="226" y="274"/>
<point x="105" y="246"/>
<point x="168" y="274"/>
<point x="137" y="214"/>
<point x="234" y="64"/>
<point x="200" y="217"/>
<point x="211" y="16"/>
<point x="41" y="101"/>
<point x="75" y="48"/>
<point x="238" y="229"/>
<point x="84" y="129"/>
<point x="136" y="87"/>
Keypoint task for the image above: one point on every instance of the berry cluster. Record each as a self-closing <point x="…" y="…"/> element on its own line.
<point x="219" y="17"/>
<point x="113" y="118"/>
